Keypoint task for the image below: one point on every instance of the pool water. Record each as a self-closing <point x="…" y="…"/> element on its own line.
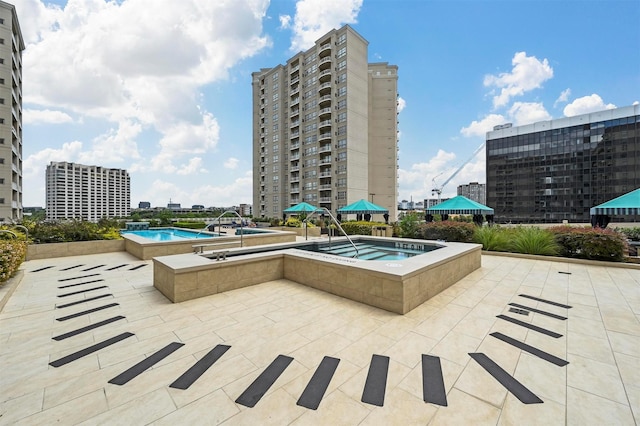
<point x="170" y="234"/>
<point x="372" y="250"/>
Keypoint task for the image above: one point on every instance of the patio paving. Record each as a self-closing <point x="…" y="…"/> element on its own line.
<point x="281" y="320"/>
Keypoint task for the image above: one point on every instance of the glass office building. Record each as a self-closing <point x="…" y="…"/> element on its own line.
<point x="557" y="170"/>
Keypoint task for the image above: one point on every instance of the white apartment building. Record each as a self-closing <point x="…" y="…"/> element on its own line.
<point x="325" y="129"/>
<point x="76" y="191"/>
<point x="11" y="47"/>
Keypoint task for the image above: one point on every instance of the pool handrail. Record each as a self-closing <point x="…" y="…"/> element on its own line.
<point x="324" y="209"/>
<point x="220" y="226"/>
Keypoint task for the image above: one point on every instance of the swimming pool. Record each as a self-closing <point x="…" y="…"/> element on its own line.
<point x="372" y="250"/>
<point x="170" y="234"/>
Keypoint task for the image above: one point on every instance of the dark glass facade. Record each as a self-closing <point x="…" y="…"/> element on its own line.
<point x="559" y="173"/>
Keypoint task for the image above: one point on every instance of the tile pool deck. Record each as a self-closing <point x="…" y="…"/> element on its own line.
<point x="600" y="339"/>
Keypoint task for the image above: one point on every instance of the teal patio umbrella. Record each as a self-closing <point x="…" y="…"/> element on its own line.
<point x="363" y="207"/>
<point x="460" y="205"/>
<point x="625" y="205"/>
<point x="301" y="208"/>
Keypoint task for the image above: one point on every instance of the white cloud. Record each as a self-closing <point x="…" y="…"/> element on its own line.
<point x="585" y="105"/>
<point x="314" y="18"/>
<point x="285" y="21"/>
<point x="231" y="163"/>
<point x="401" y="104"/>
<point x="140" y="65"/>
<point x="522" y="113"/>
<point x="528" y="73"/>
<point x="480" y="128"/>
<point x="422" y="178"/>
<point x="564" y="97"/>
<point x="160" y="191"/>
<point x="635" y="103"/>
<point x="42" y="116"/>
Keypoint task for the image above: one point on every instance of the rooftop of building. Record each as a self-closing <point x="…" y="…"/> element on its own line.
<point x="49" y="315"/>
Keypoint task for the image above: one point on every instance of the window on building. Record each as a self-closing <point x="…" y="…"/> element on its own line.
<point x="276" y="168"/>
<point x="1" y="160"/>
<point x="1" y="21"/>
<point x="342" y="117"/>
<point x="274" y="77"/>
<point x="275" y="198"/>
<point x="342" y="130"/>
<point x="1" y="60"/>
<point x="342" y="182"/>
<point x="342" y="143"/>
<point x="341" y="104"/>
<point x="342" y="156"/>
<point x="342" y="65"/>
<point x="276" y="158"/>
<point x="2" y="101"/>
<point x="275" y="178"/>
<point x="275" y="127"/>
<point x="275" y="97"/>
<point x="342" y="39"/>
<point x="342" y="91"/>
<point x="342" y="195"/>
<point x="342" y="52"/>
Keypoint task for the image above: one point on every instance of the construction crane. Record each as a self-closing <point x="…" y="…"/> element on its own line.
<point x="438" y="190"/>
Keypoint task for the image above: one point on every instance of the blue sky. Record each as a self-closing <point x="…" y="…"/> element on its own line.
<point x="163" y="88"/>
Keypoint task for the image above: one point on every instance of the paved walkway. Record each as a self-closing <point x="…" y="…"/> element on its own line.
<point x="43" y="324"/>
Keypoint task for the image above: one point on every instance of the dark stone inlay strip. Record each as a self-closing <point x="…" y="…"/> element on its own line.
<point x="77" y="278"/>
<point x="198" y="369"/>
<point x="42" y="269"/>
<point x="562" y="272"/>
<point x="82" y="291"/>
<point x="138" y="267"/>
<point x="530" y="326"/>
<point x="538" y="311"/>
<point x="317" y="386"/>
<point x="71" y="267"/>
<point x="145" y="364"/>
<point x="90" y="311"/>
<point x="433" y="390"/>
<point x="86" y="282"/>
<point x="83" y="301"/>
<point x="264" y="381"/>
<point x="116" y="267"/>
<point x="92" y="268"/>
<point x="87" y="328"/>
<point x="545" y="301"/>
<point x="376" y="384"/>
<point x="519" y="311"/>
<point x="505" y="379"/>
<point x="531" y="349"/>
<point x="91" y="349"/>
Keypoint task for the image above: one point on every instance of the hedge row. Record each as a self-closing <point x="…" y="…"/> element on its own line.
<point x="12" y="254"/>
<point x="566" y="241"/>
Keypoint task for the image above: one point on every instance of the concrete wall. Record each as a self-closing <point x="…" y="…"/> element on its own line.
<point x="77" y="248"/>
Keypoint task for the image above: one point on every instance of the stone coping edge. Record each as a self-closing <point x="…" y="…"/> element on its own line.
<point x="564" y="259"/>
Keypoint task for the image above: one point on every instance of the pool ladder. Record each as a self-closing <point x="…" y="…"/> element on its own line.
<point x="325" y="210"/>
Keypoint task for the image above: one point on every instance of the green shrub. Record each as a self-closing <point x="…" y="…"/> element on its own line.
<point x="70" y="230"/>
<point x="590" y="243"/>
<point x="410" y="226"/>
<point x="448" y="231"/>
<point x="532" y="240"/>
<point x="190" y="225"/>
<point x="632" y="234"/>
<point x="492" y="238"/>
<point x="12" y="254"/>
<point x="359" y="227"/>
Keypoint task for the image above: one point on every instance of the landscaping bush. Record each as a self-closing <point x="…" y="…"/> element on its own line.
<point x="532" y="240"/>
<point x="410" y="226"/>
<point x="493" y="238"/>
<point x="12" y="254"/>
<point x="190" y="225"/>
<point x="70" y="230"/>
<point x="632" y="234"/>
<point x="448" y="231"/>
<point x="590" y="243"/>
<point x="359" y="227"/>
